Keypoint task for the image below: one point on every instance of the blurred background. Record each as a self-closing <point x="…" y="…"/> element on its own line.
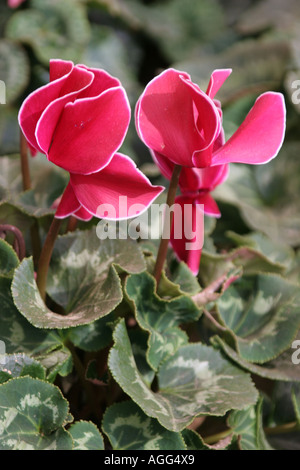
<point x="136" y="39"/>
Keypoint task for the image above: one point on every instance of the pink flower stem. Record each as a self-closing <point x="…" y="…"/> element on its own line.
<point x="45" y="257"/>
<point x="164" y="242"/>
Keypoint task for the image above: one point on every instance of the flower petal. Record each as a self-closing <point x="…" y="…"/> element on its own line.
<point x="217" y="79"/>
<point x="83" y="214"/>
<point x="68" y="203"/>
<point x="209" y="205"/>
<point x="102" y="81"/>
<point x="90" y="131"/>
<point x="58" y="68"/>
<point x="168" y="117"/>
<point x="188" y="233"/>
<point x="119" y="191"/>
<point x="259" y="137"/>
<point x="78" y="80"/>
<point x="33" y="106"/>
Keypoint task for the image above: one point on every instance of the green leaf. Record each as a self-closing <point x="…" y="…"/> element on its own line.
<point x="18" y="207"/>
<point x="39" y="410"/>
<point x="195" y="380"/>
<point x="82" y="278"/>
<point x="194" y="441"/>
<point x="14" y="69"/>
<point x="280" y="368"/>
<point x="52" y="28"/>
<point x="262" y="312"/>
<point x="8" y="258"/>
<point x="128" y="428"/>
<point x="86" y="436"/>
<point x="278" y="254"/>
<point x="267" y="197"/>
<point x="139" y="344"/>
<point x="159" y="317"/>
<point x="94" y="336"/>
<point x="18" y="365"/>
<point x="247" y="424"/>
<point x="17" y="333"/>
<point x="296" y="400"/>
<point x="81" y="262"/>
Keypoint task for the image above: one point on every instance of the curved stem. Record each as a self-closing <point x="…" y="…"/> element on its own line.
<point x="19" y="243"/>
<point x="164" y="242"/>
<point x="72" y="224"/>
<point x="213" y="439"/>
<point x="46" y="253"/>
<point x="24" y="163"/>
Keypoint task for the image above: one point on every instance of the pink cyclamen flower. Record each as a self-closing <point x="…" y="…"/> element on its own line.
<point x="183" y="125"/>
<point x="178" y="120"/>
<point x="79" y="120"/>
<point x="14" y="3"/>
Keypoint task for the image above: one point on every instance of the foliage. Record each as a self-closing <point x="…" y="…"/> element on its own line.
<point x="108" y="362"/>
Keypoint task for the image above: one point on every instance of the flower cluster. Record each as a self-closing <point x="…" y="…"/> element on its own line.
<point x="80" y="118"/>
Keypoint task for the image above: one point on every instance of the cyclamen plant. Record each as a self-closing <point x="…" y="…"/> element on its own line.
<point x="121" y="343"/>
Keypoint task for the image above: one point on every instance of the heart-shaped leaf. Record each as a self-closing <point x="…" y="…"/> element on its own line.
<point x="82" y="278"/>
<point x="39" y="410"/>
<point x="160" y="317"/>
<point x="195" y="380"/>
<point x="86" y="436"/>
<point x="128" y="428"/>
<point x="262" y="312"/>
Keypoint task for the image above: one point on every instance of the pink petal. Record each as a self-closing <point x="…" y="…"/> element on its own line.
<point x="217" y="79"/>
<point x="260" y="136"/>
<point x="78" y="80"/>
<point x="33" y="106"/>
<point x="209" y="205"/>
<point x="68" y="203"/>
<point x="185" y="247"/>
<point x="118" y="191"/>
<point x="169" y="117"/>
<point x="82" y="214"/>
<point x="193" y="179"/>
<point x="102" y="81"/>
<point x="58" y="68"/>
<point x="90" y="131"/>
